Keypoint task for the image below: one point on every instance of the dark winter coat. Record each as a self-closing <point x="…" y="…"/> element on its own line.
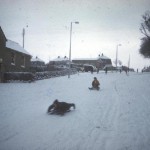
<point x="95" y="83"/>
<point x="60" y="107"/>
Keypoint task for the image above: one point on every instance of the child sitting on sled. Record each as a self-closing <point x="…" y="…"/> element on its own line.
<point x="95" y="84"/>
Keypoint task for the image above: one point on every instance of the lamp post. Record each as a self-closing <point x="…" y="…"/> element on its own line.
<point x="117" y="54"/>
<point x="76" y="22"/>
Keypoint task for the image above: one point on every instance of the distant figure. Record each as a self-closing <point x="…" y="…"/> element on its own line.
<point x="106" y="70"/>
<point x="95" y="84"/>
<point x="124" y="68"/>
<point x="97" y="70"/>
<point x="137" y="70"/>
<point x="92" y="70"/>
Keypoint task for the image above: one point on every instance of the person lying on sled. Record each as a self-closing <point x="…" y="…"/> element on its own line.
<point x="60" y="107"/>
<point x="95" y="84"/>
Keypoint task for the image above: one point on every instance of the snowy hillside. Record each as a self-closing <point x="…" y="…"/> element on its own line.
<point x="115" y="118"/>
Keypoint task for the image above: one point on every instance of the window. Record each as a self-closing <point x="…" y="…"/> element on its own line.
<point x="13" y="58"/>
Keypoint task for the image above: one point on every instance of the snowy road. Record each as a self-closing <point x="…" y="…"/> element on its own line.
<point x="115" y="118"/>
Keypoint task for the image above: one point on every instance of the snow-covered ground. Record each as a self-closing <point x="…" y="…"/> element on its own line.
<point x="115" y="118"/>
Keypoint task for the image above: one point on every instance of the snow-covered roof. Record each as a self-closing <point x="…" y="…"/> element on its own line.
<point x="99" y="57"/>
<point x="37" y="59"/>
<point x="60" y="59"/>
<point x="85" y="59"/>
<point x="102" y="57"/>
<point x="15" y="46"/>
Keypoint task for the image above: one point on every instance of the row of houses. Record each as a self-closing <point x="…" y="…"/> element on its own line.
<point x="99" y="62"/>
<point x="14" y="58"/>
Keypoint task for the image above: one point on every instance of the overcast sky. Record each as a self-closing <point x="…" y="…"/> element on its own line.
<point x="103" y="24"/>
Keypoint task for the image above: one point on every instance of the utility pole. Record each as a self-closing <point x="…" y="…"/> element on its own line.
<point x="117" y="54"/>
<point x="76" y="22"/>
<point x="23" y="35"/>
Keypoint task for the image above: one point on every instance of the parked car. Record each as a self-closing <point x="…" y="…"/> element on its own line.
<point x="90" y="68"/>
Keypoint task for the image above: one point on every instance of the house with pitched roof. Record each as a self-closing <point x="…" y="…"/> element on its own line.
<point x="37" y="65"/>
<point x="13" y="57"/>
<point x="99" y="62"/>
<point x="60" y="61"/>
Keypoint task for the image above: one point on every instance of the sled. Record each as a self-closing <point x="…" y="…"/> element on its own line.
<point x="91" y="88"/>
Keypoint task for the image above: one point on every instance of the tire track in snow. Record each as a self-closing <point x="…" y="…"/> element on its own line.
<point x="102" y="125"/>
<point x="105" y="121"/>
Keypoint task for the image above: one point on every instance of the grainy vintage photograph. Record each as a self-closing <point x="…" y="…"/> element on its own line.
<point x="74" y="74"/>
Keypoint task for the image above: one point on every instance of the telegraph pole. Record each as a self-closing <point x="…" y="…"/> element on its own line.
<point x="23" y="34"/>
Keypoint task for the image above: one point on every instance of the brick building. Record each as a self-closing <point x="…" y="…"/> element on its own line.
<point x="98" y="62"/>
<point x="13" y="57"/>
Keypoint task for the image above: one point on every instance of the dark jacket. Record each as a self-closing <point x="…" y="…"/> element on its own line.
<point x="60" y="107"/>
<point x="95" y="83"/>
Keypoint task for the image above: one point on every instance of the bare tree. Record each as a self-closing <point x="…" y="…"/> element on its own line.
<point x="145" y="30"/>
<point x="145" y="25"/>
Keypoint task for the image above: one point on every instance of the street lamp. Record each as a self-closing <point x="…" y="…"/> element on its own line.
<point x="76" y="22"/>
<point x="117" y="54"/>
